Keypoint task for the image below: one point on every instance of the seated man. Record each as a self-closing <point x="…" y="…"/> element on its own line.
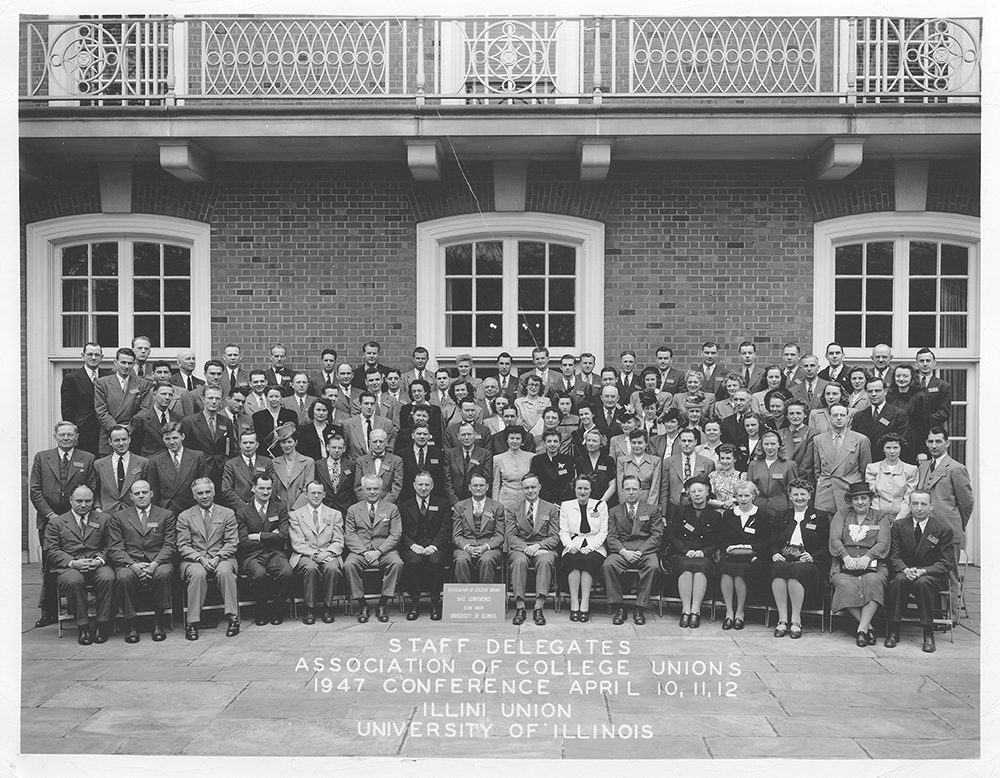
<point x="316" y="534"/>
<point x="76" y="543"/>
<point x="207" y="539"/>
<point x="426" y="544"/>
<point x="634" y="535"/>
<point x="920" y="561"/>
<point x="263" y="529"/>
<point x="478" y="526"/>
<point x="372" y="531"/>
<point x="532" y="539"/>
<point x="142" y="544"/>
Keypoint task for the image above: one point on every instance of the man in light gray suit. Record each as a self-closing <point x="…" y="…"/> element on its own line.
<point x="316" y="535"/>
<point x="840" y="457"/>
<point x="119" y="397"/>
<point x="358" y="429"/>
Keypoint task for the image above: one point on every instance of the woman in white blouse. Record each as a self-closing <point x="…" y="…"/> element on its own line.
<point x="891" y="480"/>
<point x="583" y="528"/>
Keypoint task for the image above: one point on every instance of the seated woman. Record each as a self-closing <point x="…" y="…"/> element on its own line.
<point x="905" y="392"/>
<point x="857" y="399"/>
<point x="771" y="472"/>
<point x="724" y="478"/>
<point x="819" y="418"/>
<point x="695" y="394"/>
<point x="758" y="401"/>
<point x="800" y="538"/>
<point x="583" y="528"/>
<point x="891" y="480"/>
<point x="642" y="465"/>
<point x="859" y="544"/>
<point x="691" y="544"/>
<point x="744" y="540"/>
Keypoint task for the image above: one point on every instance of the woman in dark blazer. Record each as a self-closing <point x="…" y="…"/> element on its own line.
<point x="800" y="539"/>
<point x="317" y="429"/>
<point x="598" y="466"/>
<point x="691" y="544"/>
<point x="771" y="472"/>
<point x="906" y="393"/>
<point x="744" y="540"/>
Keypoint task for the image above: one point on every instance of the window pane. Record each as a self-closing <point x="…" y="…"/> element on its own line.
<point x="489" y="294"/>
<point x="177" y="295"/>
<point x="880" y="259"/>
<point x="75" y="296"/>
<point x="954" y="294"/>
<point x="176" y="331"/>
<point x="458" y="260"/>
<point x="105" y="294"/>
<point x="878" y="330"/>
<point x="74" y="261"/>
<point x="562" y="294"/>
<point x="106" y="330"/>
<point x="562" y="330"/>
<point x="847" y="296"/>
<point x="489" y="258"/>
<point x="147" y="294"/>
<point x="878" y="295"/>
<point x="531" y="294"/>
<point x="489" y="330"/>
<point x="530" y="258"/>
<point x="458" y="294"/>
<point x="923" y="294"/>
<point x="459" y="330"/>
<point x="957" y="422"/>
<point x="954" y="260"/>
<point x="149" y="326"/>
<point x="562" y="260"/>
<point x="847" y="330"/>
<point x="954" y="332"/>
<point x="923" y="258"/>
<point x="105" y="258"/>
<point x="530" y="330"/>
<point x="74" y="331"/>
<point x="176" y="261"/>
<point x="958" y="378"/>
<point x="956" y="450"/>
<point x="146" y="259"/>
<point x="848" y="261"/>
<point x="922" y="332"/>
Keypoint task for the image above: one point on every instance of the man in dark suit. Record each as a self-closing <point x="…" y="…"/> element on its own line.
<point x="628" y="382"/>
<point x="326" y="375"/>
<point x="234" y="374"/>
<point x="835" y="370"/>
<point x="141" y="345"/>
<point x="478" y="530"/>
<point x="532" y="531"/>
<point x="634" y="535"/>
<point x="879" y="418"/>
<point x="116" y="474"/>
<point x="275" y="415"/>
<point x="791" y="372"/>
<point x="506" y="377"/>
<point x="347" y="398"/>
<point x="370" y="361"/>
<point x="278" y="373"/>
<point x="263" y="547"/>
<point x="469" y="412"/>
<point x="425" y="547"/>
<point x="607" y="413"/>
<point x="336" y="473"/>
<point x="489" y="393"/>
<point x="142" y="545"/>
<point x="77" y="546"/>
<point x="938" y="391"/>
<point x="299" y="401"/>
<point x="732" y="425"/>
<point x="77" y="397"/>
<point x="210" y="432"/>
<point x="677" y="469"/>
<point x="671" y="379"/>
<point x="751" y="374"/>
<point x="147" y="436"/>
<point x="214" y="372"/>
<point x="238" y="473"/>
<point x="423" y="456"/>
<point x="713" y="373"/>
<point x="920" y="562"/>
<point x="119" y="397"/>
<point x="55" y="474"/>
<point x="465" y="459"/>
<point x="882" y="363"/>
<point x="185" y="377"/>
<point x="577" y="387"/>
<point x="172" y="472"/>
<point x="372" y="531"/>
<point x="388" y="468"/>
<point x="810" y="391"/>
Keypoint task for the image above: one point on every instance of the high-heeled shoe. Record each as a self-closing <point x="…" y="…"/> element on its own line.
<point x="695" y="620"/>
<point x="862" y="640"/>
<point x="685" y="620"/>
<point x="781" y="629"/>
<point x="574" y="615"/>
<point x="584" y="616"/>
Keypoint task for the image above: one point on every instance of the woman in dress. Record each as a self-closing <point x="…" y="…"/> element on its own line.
<point x="598" y="466"/>
<point x="906" y="393"/>
<point x="643" y="466"/>
<point x="819" y="418"/>
<point x="859" y="543"/>
<point x="691" y="544"/>
<point x="508" y="468"/>
<point x="857" y="399"/>
<point x="530" y="407"/>
<point x="773" y="377"/>
<point x="744" y="540"/>
<point x="711" y="441"/>
<point x="724" y="478"/>
<point x="293" y="469"/>
<point x="891" y="480"/>
<point x="583" y="528"/>
<point x="749" y="449"/>
<point x="800" y="539"/>
<point x="771" y="472"/>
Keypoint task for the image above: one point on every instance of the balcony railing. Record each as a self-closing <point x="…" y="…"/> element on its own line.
<point x="164" y="60"/>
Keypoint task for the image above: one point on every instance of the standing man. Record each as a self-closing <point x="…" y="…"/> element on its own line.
<point x="836" y="371"/>
<point x="880" y="418"/>
<point x="141" y="345"/>
<point x="214" y="373"/>
<point x="326" y="375"/>
<point x="316" y="535"/>
<point x="532" y="539"/>
<point x="117" y="473"/>
<point x="372" y="531"/>
<point x="634" y="535"/>
<point x="426" y="545"/>
<point x="938" y="391"/>
<point x="256" y="400"/>
<point x="147" y="425"/>
<point x="607" y="415"/>
<point x="506" y="378"/>
<point x="370" y="361"/>
<point x="235" y="374"/>
<point x="299" y="400"/>
<point x="55" y="475"/>
<point x="478" y="527"/>
<point x="172" y="472"/>
<point x="713" y="373"/>
<point x="378" y="462"/>
<point x="465" y="459"/>
<point x="263" y="539"/>
<point x="628" y="381"/>
<point x="119" y="398"/>
<point x="239" y="472"/>
<point x="469" y="410"/>
<point x="210" y="432"/>
<point x="671" y="379"/>
<point x="419" y="371"/>
<point x="185" y="377"/>
<point x="77" y="397"/>
<point x="810" y="391"/>
<point x="358" y="429"/>
<point x="791" y="373"/>
<point x="540" y="356"/>
<point x="279" y="374"/>
<point x="882" y="363"/>
<point x="347" y="401"/>
<point x="678" y="468"/>
<point x="840" y="457"/>
<point x="424" y="456"/>
<point x="751" y="374"/>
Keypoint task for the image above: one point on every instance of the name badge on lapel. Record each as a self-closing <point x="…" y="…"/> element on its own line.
<point x="811" y="526"/>
<point x="134" y="391"/>
<point x="474" y="462"/>
<point x="432" y="507"/>
<point x="152" y="525"/>
<point x="136" y="470"/>
<point x="602" y="467"/>
<point x="644" y="519"/>
<point x="933" y="388"/>
<point x="884" y="421"/>
<point x="778" y="476"/>
<point x="346" y="471"/>
<point x="688" y="527"/>
<point x="434" y="462"/>
<point x="562" y="471"/>
<point x="379" y="519"/>
<point x="93" y="525"/>
<point x="932" y="539"/>
<point x="796" y="440"/>
<point x="78" y="464"/>
<point x="750" y="530"/>
<point x="259" y="468"/>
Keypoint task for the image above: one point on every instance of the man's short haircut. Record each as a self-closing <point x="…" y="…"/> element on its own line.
<point x="257" y="372"/>
<point x="200" y="481"/>
<point x="276" y="345"/>
<point x="329" y="351"/>
<point x="539" y="350"/>
<point x="371" y="344"/>
<point x="258" y="476"/>
<point x="141" y="337"/>
<point x="213" y="363"/>
<point x="667" y="349"/>
<point x="119" y="427"/>
<point x="709" y="344"/>
<point x="504" y="355"/>
<point x="60" y="424"/>
<point x="421" y="350"/>
<point x="627" y="352"/>
<point x="126" y="351"/>
<point x="832" y="343"/>
<point x="587" y="354"/>
<point x="937" y="429"/>
<point x="366" y="394"/>
<point x="926" y="350"/>
<point x="243" y="389"/>
<point x="247" y="431"/>
<point x="158" y="364"/>
<point x="792" y="345"/>
<point x="749" y="343"/>
<point x="609" y="369"/>
<point x="170" y="427"/>
<point x="232" y="345"/>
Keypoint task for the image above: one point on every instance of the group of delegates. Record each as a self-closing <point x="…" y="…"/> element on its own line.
<point x="748" y="473"/>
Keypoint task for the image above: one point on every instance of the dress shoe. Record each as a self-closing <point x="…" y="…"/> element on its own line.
<point x="794" y="630"/>
<point x="862" y="640"/>
<point x="103" y="630"/>
<point x="620" y="616"/>
<point x="261" y="619"/>
<point x="695" y="621"/>
<point x="83" y="635"/>
<point x="310" y="617"/>
<point x="928" y="647"/>
<point x="870" y="637"/>
<point x="638" y="617"/>
<point x="780" y="629"/>
<point x="234" y="627"/>
<point x="738" y="624"/>
<point x="382" y="613"/>
<point x="574" y="615"/>
<point x="364" y="614"/>
<point x="727" y="623"/>
<point x="436" y="611"/>
<point x="328" y="616"/>
<point x="520" y="616"/>
<point x="158" y="634"/>
<point x="413" y="613"/>
<point x="538" y="616"/>
<point x="45" y="620"/>
<point x="131" y="634"/>
<point x="191" y="631"/>
<point x="277" y="617"/>
<point x="584" y="617"/>
<point x="891" y="640"/>
<point x="685" y="620"/>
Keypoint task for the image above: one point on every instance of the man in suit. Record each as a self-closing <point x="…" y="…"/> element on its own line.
<point x="791" y="372"/>
<point x="938" y="391"/>
<point x="751" y="374"/>
<point x="671" y="379"/>
<point x="181" y="404"/>
<point x="299" y="401"/>
<point x="489" y="393"/>
<point x="634" y="535"/>
<point x="358" y="429"/>
<point x="394" y="391"/>
<point x="607" y="413"/>
<point x="316" y="535"/>
<point x="172" y="472"/>
<point x="55" y="474"/>
<point x="810" y="391"/>
<point x="532" y="531"/>
<point x="882" y="363"/>
<point x="210" y="432"/>
<point x="419" y="371"/>
<point x="426" y="545"/>
<point x="879" y="418"/>
<point x="387" y="467"/>
<point x="840" y="457"/>
<point x="234" y="409"/>
<point x="587" y="375"/>
<point x="238" y="473"/>
<point x="274" y="416"/>
<point x="346" y="401"/>
<point x="185" y="377"/>
<point x="441" y="398"/>
<point x="262" y="525"/>
<point x="712" y="372"/>
<point x="568" y="382"/>
<point x="257" y="399"/>
<point x="214" y="371"/>
<point x="796" y="439"/>
<point x="478" y="528"/>
<point x="465" y="459"/>
<point x="951" y="494"/>
<point x="336" y="473"/>
<point x="141" y="345"/>
<point x="119" y="397"/>
<point x="77" y="397"/>
<point x="628" y="382"/>
<point x="147" y="425"/>
<point x="234" y="373"/>
<point x="420" y="457"/>
<point x="469" y="411"/>
<point x="386" y="407"/>
<point x="420" y="415"/>
<point x="207" y="539"/>
<point x="279" y="373"/>
<point x="677" y="469"/>
<point x="540" y="357"/>
<point x="117" y="473"/>
<point x="836" y="371"/>
<point x="920" y="561"/>
<point x="732" y="425"/>
<point x="372" y="530"/>
<point x="142" y="542"/>
<point x="506" y="377"/>
<point x="326" y="375"/>
<point x="370" y="361"/>
<point x="77" y="546"/>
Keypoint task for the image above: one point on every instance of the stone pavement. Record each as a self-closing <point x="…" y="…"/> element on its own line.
<point x="623" y="692"/>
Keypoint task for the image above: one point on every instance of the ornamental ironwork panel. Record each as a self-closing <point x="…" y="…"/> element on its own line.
<point x="511" y="59"/>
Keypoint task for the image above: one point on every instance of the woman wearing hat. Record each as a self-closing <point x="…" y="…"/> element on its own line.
<point x="293" y="469"/>
<point x="744" y="539"/>
<point x="691" y="544"/>
<point x="891" y="480"/>
<point x="583" y="528"/>
<point x="859" y="544"/>
<point x="509" y="467"/>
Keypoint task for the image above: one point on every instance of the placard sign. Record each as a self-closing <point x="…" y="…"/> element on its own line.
<point x="473" y="603"/>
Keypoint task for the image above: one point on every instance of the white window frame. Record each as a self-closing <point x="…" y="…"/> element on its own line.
<point x="432" y="236"/>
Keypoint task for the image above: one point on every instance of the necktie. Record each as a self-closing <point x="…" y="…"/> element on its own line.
<point x="334" y="468"/>
<point x="64" y="467"/>
<point x="631" y="513"/>
<point x="420" y="459"/>
<point x="933" y="464"/>
<point x="371" y="512"/>
<point x="687" y="468"/>
<point x="177" y="461"/>
<point x="93" y="376"/>
<point x="140" y="370"/>
<point x="316" y="518"/>
<point x="163" y="418"/>
<point x="123" y="382"/>
<point x="188" y="383"/>
<point x="917" y="534"/>
<point x="531" y="513"/>
<point x="809" y="389"/>
<point x="368" y="432"/>
<point x="611" y="416"/>
<point x="207" y="516"/>
<point x="143" y="515"/>
<point x="477" y="509"/>
<point x="302" y="407"/>
<point x="211" y="425"/>
<point x="232" y="378"/>
<point x="926" y="380"/>
<point x="746" y="378"/>
<point x="836" y="443"/>
<point x="121" y="474"/>
<point x="423" y="508"/>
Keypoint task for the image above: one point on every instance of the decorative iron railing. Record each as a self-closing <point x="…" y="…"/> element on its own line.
<point x="162" y="60"/>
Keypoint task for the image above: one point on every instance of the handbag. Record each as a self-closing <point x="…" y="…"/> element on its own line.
<point x="792" y="552"/>
<point x="870" y="568"/>
<point x="741" y="554"/>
